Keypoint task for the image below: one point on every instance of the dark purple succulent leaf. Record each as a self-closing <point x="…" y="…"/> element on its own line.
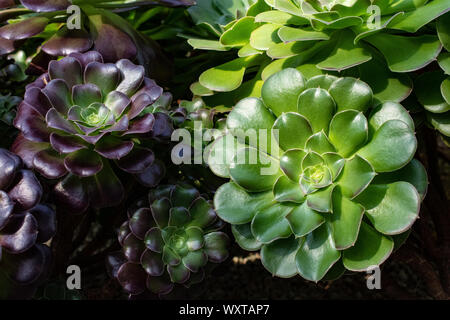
<point x="113" y="263"/>
<point x="216" y="244"/>
<point x="83" y="163"/>
<point x="141" y="222"/>
<point x="27" y="190"/>
<point x="68" y="69"/>
<point x="49" y="164"/>
<point x="124" y="231"/>
<point x="161" y="211"/>
<point x="74" y="114"/>
<point x="112" y="43"/>
<point x="71" y="194"/>
<point x="6" y="46"/>
<point x="105" y="189"/>
<point x="132" y="278"/>
<point x="20" y="233"/>
<point x="137" y="161"/>
<point x="178" y="3"/>
<point x="120" y="126"/>
<point x="59" y="94"/>
<point x="132" y="76"/>
<point x="24" y="29"/>
<point x="160" y="285"/>
<point x="27" y="267"/>
<point x="154" y="240"/>
<point x="40" y="82"/>
<point x="46" y="5"/>
<point x="66" y="144"/>
<point x="6" y="208"/>
<point x="139" y="104"/>
<point x="151" y="89"/>
<point x="179" y="217"/>
<point x="183" y="195"/>
<point x="9" y="164"/>
<point x="37" y="100"/>
<point x="27" y="149"/>
<point x="56" y="121"/>
<point x="133" y="248"/>
<point x="153" y="175"/>
<point x="152" y="263"/>
<point x="46" y="219"/>
<point x="117" y="102"/>
<point x="92" y="139"/>
<point x="106" y="76"/>
<point x="163" y="127"/>
<point x="85" y="94"/>
<point x="113" y="148"/>
<point x="65" y="42"/>
<point x="31" y="124"/>
<point x="141" y="125"/>
<point x="87" y="57"/>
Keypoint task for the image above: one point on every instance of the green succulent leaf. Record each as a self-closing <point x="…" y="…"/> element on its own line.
<point x="285" y="190"/>
<point x="293" y="131"/>
<point x="317" y="254"/>
<point x="351" y="93"/>
<point x="244" y="237"/>
<point x="321" y="200"/>
<point x="348" y="131"/>
<point x="371" y="249"/>
<point x="317" y="105"/>
<point x="345" y="220"/>
<point x="303" y="220"/>
<point x="280" y="92"/>
<point x="254" y="170"/>
<point x="270" y="223"/>
<point x="244" y="205"/>
<point x="392" y="147"/>
<point x="290" y="163"/>
<point x="355" y="177"/>
<point x="397" y="50"/>
<point x="278" y="257"/>
<point x="391" y="208"/>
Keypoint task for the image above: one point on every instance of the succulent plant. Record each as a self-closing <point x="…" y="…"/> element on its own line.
<point x="317" y="37"/>
<point x="333" y="188"/>
<point x="100" y="28"/>
<point x="432" y="88"/>
<point x="25" y="224"/>
<point x="168" y="242"/>
<point x="83" y="115"/>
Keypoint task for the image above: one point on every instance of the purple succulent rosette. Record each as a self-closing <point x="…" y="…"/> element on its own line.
<point x="168" y="242"/>
<point x="100" y="29"/>
<point x="25" y="224"/>
<point x="84" y="115"/>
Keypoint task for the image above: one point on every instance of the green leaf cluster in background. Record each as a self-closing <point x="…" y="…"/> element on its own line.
<point x="322" y="37"/>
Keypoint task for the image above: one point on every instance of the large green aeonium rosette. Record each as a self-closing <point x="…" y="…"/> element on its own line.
<point x="332" y="190"/>
<point x="83" y="118"/>
<point x="167" y="240"/>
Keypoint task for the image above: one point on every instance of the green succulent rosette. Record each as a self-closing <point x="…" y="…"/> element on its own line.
<point x="371" y="40"/>
<point x="335" y="186"/>
<point x="168" y="242"/>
